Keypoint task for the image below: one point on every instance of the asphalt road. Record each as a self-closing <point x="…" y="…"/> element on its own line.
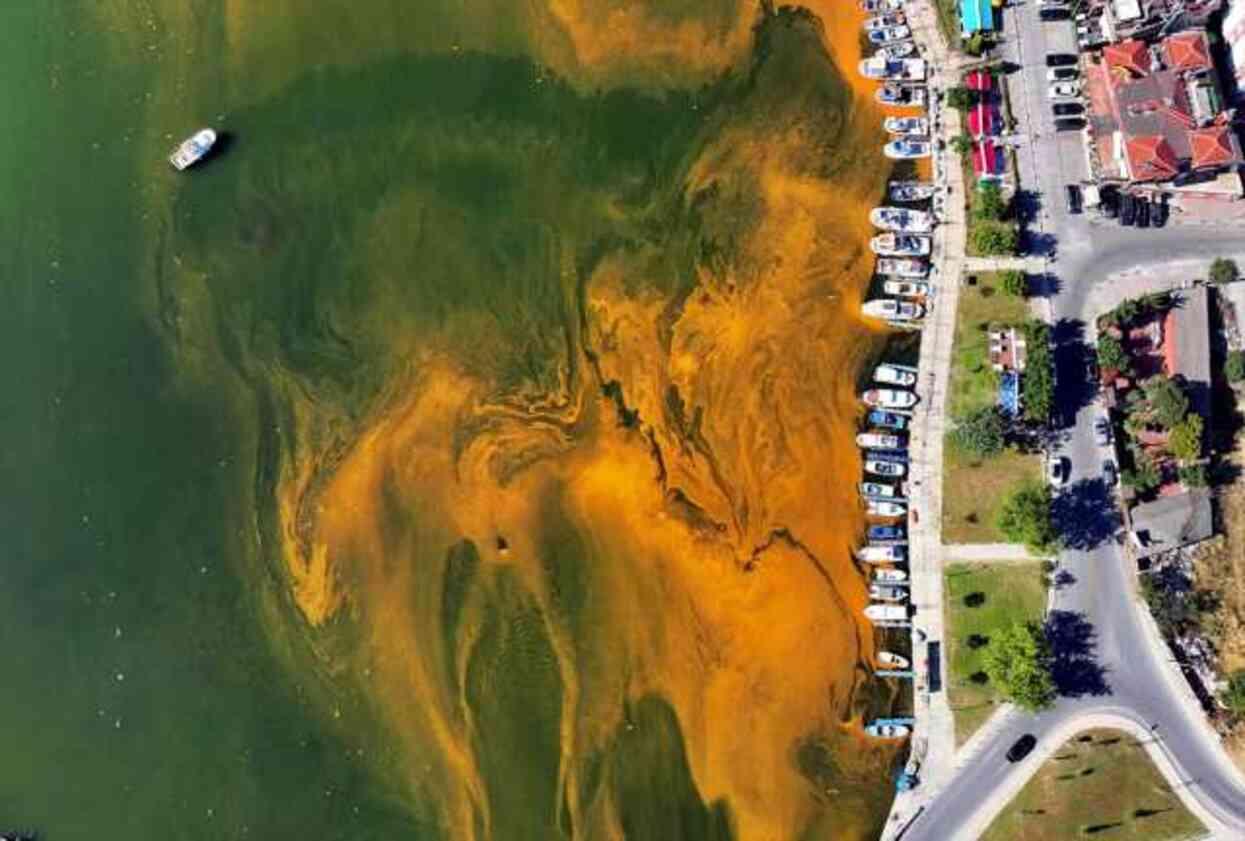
<point x="1106" y="660"/>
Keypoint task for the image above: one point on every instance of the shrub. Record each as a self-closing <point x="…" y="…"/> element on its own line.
<point x="1025" y="517"/>
<point x="1233" y="695"/>
<point x="1168" y="402"/>
<point x="1014" y="283"/>
<point x="976" y="44"/>
<point x="1038" y="381"/>
<point x="1223" y="270"/>
<point x="1144" y="476"/>
<point x="1111" y="355"/>
<point x="962" y="144"/>
<point x="961" y="98"/>
<point x="1193" y="476"/>
<point x="980" y="433"/>
<point x="996" y="238"/>
<point x="990" y="204"/>
<point x="1185" y="441"/>
<point x="1235" y="367"/>
<point x="1017" y="660"/>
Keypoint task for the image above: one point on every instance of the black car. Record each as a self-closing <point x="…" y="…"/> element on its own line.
<point x="1021" y="749"/>
<point x="1069" y="124"/>
<point x="1053" y="13"/>
<point x="1074" y="198"/>
<point x="1158" y="218"/>
<point x="1067" y="109"/>
<point x="1109" y="199"/>
<point x="1060" y="59"/>
<point x="1128" y="209"/>
<point x="1143" y="212"/>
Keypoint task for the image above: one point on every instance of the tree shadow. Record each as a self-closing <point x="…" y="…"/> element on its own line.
<point x="1075" y="386"/>
<point x="1040" y="244"/>
<point x="1085" y="514"/>
<point x="1073" y="668"/>
<point x="1063" y="578"/>
<point x="1045" y="285"/>
<point x="1026" y="205"/>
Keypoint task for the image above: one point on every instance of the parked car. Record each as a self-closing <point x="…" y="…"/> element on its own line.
<point x="1062" y="74"/>
<point x="1102" y="431"/>
<point x="1060" y="59"/>
<point x="1109" y="198"/>
<point x="1160" y="212"/>
<point x="1143" y="212"/>
<point x="1023" y="747"/>
<point x="1067" y="109"/>
<point x="1128" y="209"/>
<point x="1057" y="470"/>
<point x="1065" y="90"/>
<point x="1069" y="123"/>
<point x="1053" y="13"/>
<point x="1074" y="198"/>
<point x="1109" y="474"/>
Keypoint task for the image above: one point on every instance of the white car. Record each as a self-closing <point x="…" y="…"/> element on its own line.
<point x="1065" y="90"/>
<point x="1062" y="74"/>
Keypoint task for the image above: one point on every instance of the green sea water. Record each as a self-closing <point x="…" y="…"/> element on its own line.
<point x="155" y="327"/>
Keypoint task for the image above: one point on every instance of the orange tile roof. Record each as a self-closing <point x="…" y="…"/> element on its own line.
<point x="1150" y="158"/>
<point x="1187" y="51"/>
<point x="1212" y="146"/>
<point x="1131" y="55"/>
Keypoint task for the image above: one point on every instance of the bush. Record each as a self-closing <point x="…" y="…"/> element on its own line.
<point x="1025" y="517"/>
<point x="1235" y="367"/>
<point x="1111" y="355"/>
<point x="1185" y="441"/>
<point x="1144" y="476"/>
<point x="1038" y="382"/>
<point x="1168" y="402"/>
<point x="1223" y="270"/>
<point x="1015" y="283"/>
<point x="1017" y="661"/>
<point x="962" y="144"/>
<point x="961" y="98"/>
<point x="996" y="238"/>
<point x="976" y="44"/>
<point x="1233" y="695"/>
<point x="980" y="433"/>
<point x="989" y="203"/>
<point x="1193" y="476"/>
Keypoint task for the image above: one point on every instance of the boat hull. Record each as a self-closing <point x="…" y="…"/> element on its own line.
<point x="193" y="149"/>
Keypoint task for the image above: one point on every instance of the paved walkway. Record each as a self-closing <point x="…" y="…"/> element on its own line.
<point x="1029" y="265"/>
<point x="998" y="552"/>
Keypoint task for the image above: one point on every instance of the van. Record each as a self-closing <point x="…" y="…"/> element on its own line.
<point x="1069" y="124"/>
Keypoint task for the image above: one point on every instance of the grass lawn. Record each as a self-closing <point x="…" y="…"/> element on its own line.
<point x="1102" y="788"/>
<point x="1013" y="592"/>
<point x="973" y="490"/>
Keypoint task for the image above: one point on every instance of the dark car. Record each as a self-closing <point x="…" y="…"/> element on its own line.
<point x="1109" y="199"/>
<point x="1074" y="198"/>
<point x="1128" y="209"/>
<point x="1060" y="59"/>
<point x="1109" y="474"/>
<point x="1069" y="124"/>
<point x="1067" y="109"/>
<point x="1053" y="13"/>
<point x="1161" y="212"/>
<point x="1143" y="212"/>
<point x="1021" y="749"/>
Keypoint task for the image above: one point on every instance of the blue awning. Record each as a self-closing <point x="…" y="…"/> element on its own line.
<point x="976" y="16"/>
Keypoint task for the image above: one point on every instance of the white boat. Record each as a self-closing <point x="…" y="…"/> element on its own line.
<point x="193" y="149"/>
<point x="889" y="659"/>
<point x="893" y="375"/>
<point x="906" y="149"/>
<point x="887" y="731"/>
<point x="892" y="309"/>
<point x="882" y="554"/>
<point x="883" y="68"/>
<point x="886" y="612"/>
<point x="881" y="467"/>
<point x="889" y="398"/>
<point x="910" y="190"/>
<point x="880" y="22"/>
<point x="906" y="289"/>
<point x="879" y="440"/>
<point x="877" y="489"/>
<point x="889" y="34"/>
<point x="897" y="49"/>
<point x="891" y="244"/>
<point x="887" y="593"/>
<point x="901" y="219"/>
<point x="879" y="6"/>
<point x="901" y="96"/>
<point x="889" y="576"/>
<point x="885" y="508"/>
<point x="906" y="125"/>
<point x="902" y="267"/>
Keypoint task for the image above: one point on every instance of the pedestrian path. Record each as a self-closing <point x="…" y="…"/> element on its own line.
<point x="1029" y="265"/>
<point x="996" y="552"/>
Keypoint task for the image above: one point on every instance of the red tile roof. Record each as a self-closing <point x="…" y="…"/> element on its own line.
<point x="1150" y="158"/>
<point x="1212" y="147"/>
<point x="1130" y="55"/>
<point x="1187" y="51"/>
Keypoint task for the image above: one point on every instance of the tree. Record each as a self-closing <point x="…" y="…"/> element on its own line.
<point x="976" y="44"/>
<point x="962" y="144"/>
<point x="1018" y="661"/>
<point x="1235" y="366"/>
<point x="995" y="238"/>
<point x="1111" y="354"/>
<point x="990" y="204"/>
<point x="1233" y="695"/>
<point x="1223" y="270"/>
<point x="1024" y="517"/>
<point x="980" y="433"/>
<point x="961" y="98"/>
<point x="1168" y="402"/>
<point x="1193" y="476"/>
<point x="1015" y="283"/>
<point x="1144" y="476"/>
<point x="1038" y="381"/>
<point x="1185" y="440"/>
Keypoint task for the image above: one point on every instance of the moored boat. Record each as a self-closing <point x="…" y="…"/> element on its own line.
<point x="886" y="612"/>
<point x="902" y="267"/>
<point x="890" y="659"/>
<point x="877" y="490"/>
<point x="882" y="467"/>
<point x="885" y="508"/>
<point x="906" y="149"/>
<point x="897" y="49"/>
<point x="888" y="554"/>
<point x="901" y="219"/>
<point x="906" y="125"/>
<point x="887" y="420"/>
<point x="910" y="190"/>
<point x="901" y="96"/>
<point x="884" y="68"/>
<point x="889" y="398"/>
<point x="879" y="6"/>
<point x="891" y="244"/>
<point x="193" y="149"/>
<point x="879" y="440"/>
<point x="887" y="731"/>
<point x="893" y="375"/>
<point x="892" y="309"/>
<point x="906" y="289"/>
<point x="880" y="22"/>
<point x="876" y="534"/>
<point x="887" y="575"/>
<point x="887" y="593"/>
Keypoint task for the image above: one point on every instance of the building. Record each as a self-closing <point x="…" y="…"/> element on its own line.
<point x="976" y="16"/>
<point x="1157" y="112"/>
<point x="1170" y="522"/>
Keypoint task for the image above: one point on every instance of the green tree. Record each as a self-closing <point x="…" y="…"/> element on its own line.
<point x="1111" y="355"/>
<point x="1223" y="270"/>
<point x="995" y="238"/>
<point x="989" y="203"/>
<point x="1038" y="382"/>
<point x="1018" y="661"/>
<point x="1235" y="366"/>
<point x="1193" y="476"/>
<point x="980" y="433"/>
<point x="1233" y="695"/>
<point x="962" y="144"/>
<point x="1144" y="476"/>
<point x="1168" y="402"/>
<point x="1024" y="517"/>
<point x="1185" y="440"/>
<point x="961" y="98"/>
<point x="1015" y="283"/>
<point x="976" y="44"/>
